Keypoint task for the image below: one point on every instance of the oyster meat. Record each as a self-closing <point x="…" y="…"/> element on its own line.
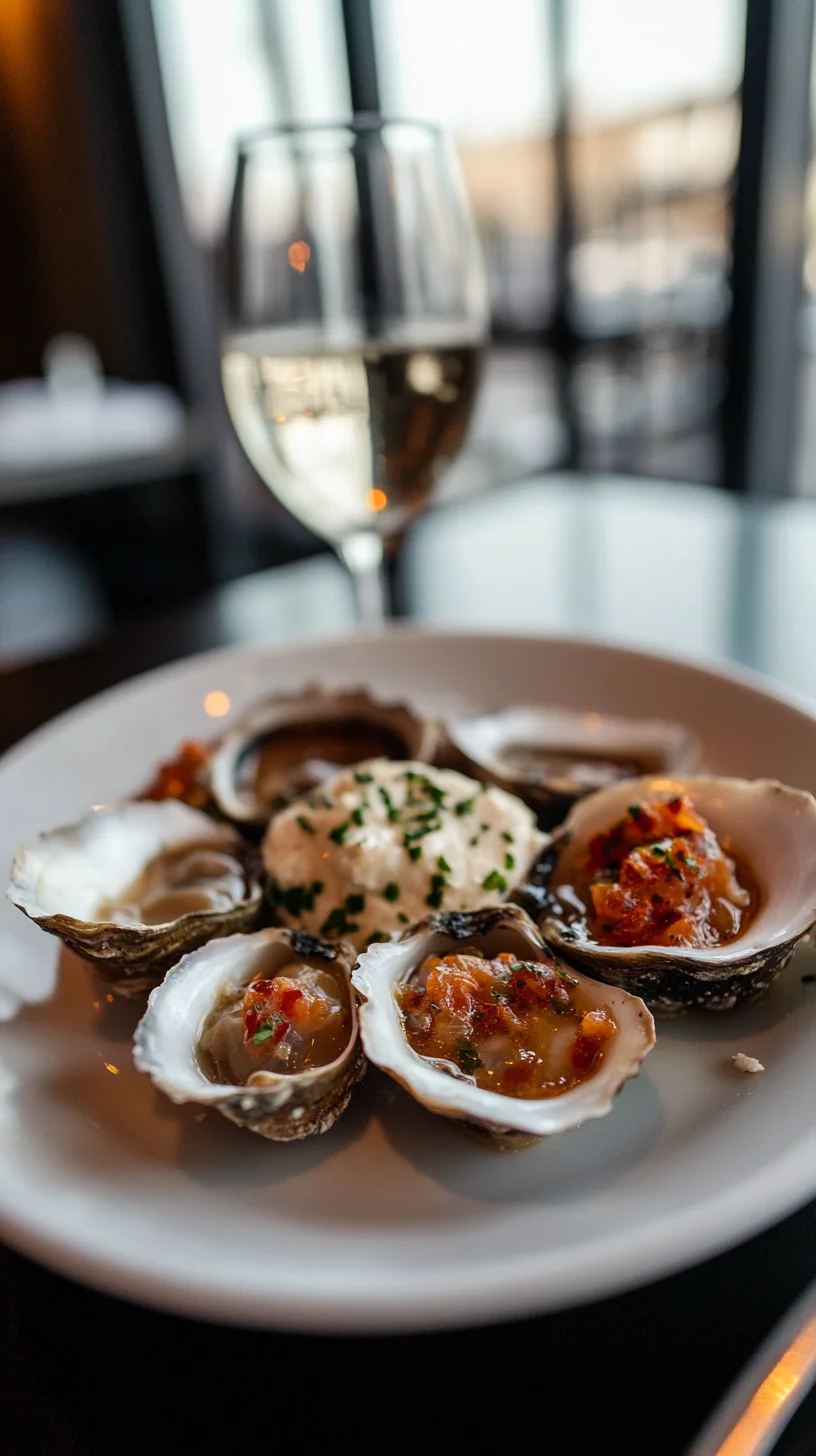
<point x="687" y="892"/>
<point x="551" y="757"/>
<point x="287" y="744"/>
<point x="133" y="885"/>
<point x="261" y="1027"/>
<point x="465" y="1003"/>
<point x="384" y="842"/>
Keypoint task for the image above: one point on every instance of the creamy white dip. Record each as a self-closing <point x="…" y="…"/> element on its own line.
<point x="385" y="843"/>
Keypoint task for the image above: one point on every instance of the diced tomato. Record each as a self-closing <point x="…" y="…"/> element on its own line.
<point x="584" y="1051"/>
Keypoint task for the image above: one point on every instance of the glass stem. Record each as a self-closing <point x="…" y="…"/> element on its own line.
<point x="372" y="577"/>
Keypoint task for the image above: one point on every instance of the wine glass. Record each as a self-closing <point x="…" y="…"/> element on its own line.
<point x="355" y="321"/>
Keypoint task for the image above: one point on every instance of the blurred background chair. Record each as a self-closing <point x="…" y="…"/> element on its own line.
<point x="643" y="181"/>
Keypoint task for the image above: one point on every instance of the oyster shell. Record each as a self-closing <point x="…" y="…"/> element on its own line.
<point x="278" y="1105"/>
<point x="505" y="1121"/>
<point x="769" y="828"/>
<point x="285" y="745"/>
<point x="133" y="885"/>
<point x="551" y="757"/>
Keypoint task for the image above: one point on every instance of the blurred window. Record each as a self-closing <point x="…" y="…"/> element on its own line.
<point x="228" y="68"/>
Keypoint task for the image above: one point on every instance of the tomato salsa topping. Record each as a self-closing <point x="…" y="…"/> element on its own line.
<point x="513" y="1026"/>
<point x="271" y="1007"/>
<point x="661" y="877"/>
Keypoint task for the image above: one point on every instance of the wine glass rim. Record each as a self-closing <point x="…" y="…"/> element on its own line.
<point x="361" y="122"/>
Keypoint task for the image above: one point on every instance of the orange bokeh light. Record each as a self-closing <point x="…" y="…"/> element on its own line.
<point x="299" y="254"/>
<point x="217" y="704"/>
<point x="377" y="500"/>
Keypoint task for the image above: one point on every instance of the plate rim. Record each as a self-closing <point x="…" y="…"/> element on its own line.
<point x="770" y="1199"/>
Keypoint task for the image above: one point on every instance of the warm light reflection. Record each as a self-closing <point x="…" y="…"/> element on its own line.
<point x="377" y="500"/>
<point x="109" y="1067"/>
<point x="299" y="254"/>
<point x="95" y="1005"/>
<point x="777" y="1388"/>
<point x="109" y="997"/>
<point x="592" y="721"/>
<point x="667" y="786"/>
<point x="217" y="704"/>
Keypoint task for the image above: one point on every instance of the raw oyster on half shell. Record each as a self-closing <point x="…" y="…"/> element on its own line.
<point x="287" y="744"/>
<point x="261" y="1027"/>
<point x="499" y="967"/>
<point x="551" y="757"/>
<point x="133" y="885"/>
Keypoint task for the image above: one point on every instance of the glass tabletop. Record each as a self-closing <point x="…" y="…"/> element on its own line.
<point x="682" y="569"/>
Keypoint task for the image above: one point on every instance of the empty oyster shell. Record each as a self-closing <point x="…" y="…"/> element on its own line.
<point x="171" y="1041"/>
<point x="769" y="829"/>
<point x="133" y="885"/>
<point x="551" y="757"/>
<point x="287" y="744"/>
<point x="506" y="1121"/>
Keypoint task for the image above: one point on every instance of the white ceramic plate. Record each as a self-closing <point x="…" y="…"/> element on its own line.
<point x="392" y="1220"/>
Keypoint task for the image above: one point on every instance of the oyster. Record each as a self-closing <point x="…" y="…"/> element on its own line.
<point x="752" y="891"/>
<point x="382" y="842"/>
<point x="133" y="885"/>
<point x="450" y="1088"/>
<point x="552" y="757"/>
<point x="277" y="1076"/>
<point x="287" y="744"/>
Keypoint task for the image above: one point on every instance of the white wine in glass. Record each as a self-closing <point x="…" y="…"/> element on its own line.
<point x="354" y="329"/>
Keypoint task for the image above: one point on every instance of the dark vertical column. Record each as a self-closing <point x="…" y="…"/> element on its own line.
<point x="758" y="417"/>
<point x="378" y="248"/>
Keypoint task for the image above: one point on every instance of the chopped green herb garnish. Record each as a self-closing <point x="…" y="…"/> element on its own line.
<point x="357" y="816"/>
<point x="412" y="834"/>
<point x="403" y="918"/>
<point x="635" y="811"/>
<point x="465" y="806"/>
<point x="338" y="921"/>
<point x="509" y="862"/>
<point x="339" y="832"/>
<point x="484" y="828"/>
<point x="432" y="790"/>
<point x="438" y="888"/>
<point x="266" y="1030"/>
<point x="468" y="1057"/>
<point x="355" y="904"/>
<point x="568" y="980"/>
<point x="557" y="1006"/>
<point x="443" y="865"/>
<point x="508" y="838"/>
<point x="295" y="899"/>
<point x="494" y="881"/>
<point x="391" y="891"/>
<point x="305" y="825"/>
<point x="474" y="840"/>
<point x="414" y="852"/>
<point x="392" y="810"/>
<point x="363" y="778"/>
<point x="378" y="935"/>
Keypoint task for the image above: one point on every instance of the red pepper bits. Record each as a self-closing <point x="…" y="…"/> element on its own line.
<point x="183" y="777"/>
<point x="511" y="1025"/>
<point x="660" y="877"/>
<point x="272" y="1006"/>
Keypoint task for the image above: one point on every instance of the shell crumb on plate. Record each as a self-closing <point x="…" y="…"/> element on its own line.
<point x="745" y="1063"/>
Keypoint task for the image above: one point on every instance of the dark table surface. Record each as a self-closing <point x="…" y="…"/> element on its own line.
<point x="680" y="569"/>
